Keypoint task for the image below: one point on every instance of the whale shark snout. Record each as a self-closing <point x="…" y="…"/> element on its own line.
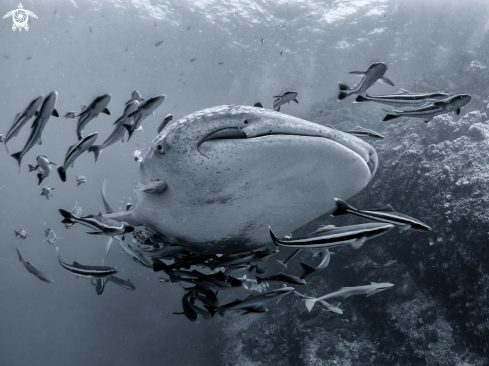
<point x="231" y="171"/>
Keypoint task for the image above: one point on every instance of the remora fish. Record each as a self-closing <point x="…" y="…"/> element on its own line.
<point x="426" y="113"/>
<point x="46" y="191"/>
<point x="282" y="277"/>
<point x="118" y="132"/>
<point x="21" y="119"/>
<point x="344" y="292"/>
<point x="81" y="179"/>
<point x="330" y="236"/>
<point x="364" y="132"/>
<point x="44" y="167"/>
<point x="383" y="214"/>
<point x="252" y="303"/>
<point x="33" y="269"/>
<point x="47" y="110"/>
<point x="286" y="97"/>
<point x="21" y="234"/>
<point x="76" y="211"/>
<point x="375" y="72"/>
<point x="74" y="152"/>
<point x="82" y="270"/>
<point x="107" y="227"/>
<point x="136" y="96"/>
<point x="94" y="109"/>
<point x="144" y="110"/>
<point x="401" y="98"/>
<point x="166" y="120"/>
<point x="119" y="281"/>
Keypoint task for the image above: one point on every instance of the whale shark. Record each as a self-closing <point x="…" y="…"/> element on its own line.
<point x="230" y="171"/>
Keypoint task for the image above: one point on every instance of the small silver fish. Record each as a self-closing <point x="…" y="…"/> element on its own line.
<point x="137" y="156"/>
<point x="51" y="236"/>
<point x="21" y="233"/>
<point x="43" y="167"/>
<point x="70" y="115"/>
<point x="46" y="191"/>
<point x="375" y="72"/>
<point x="81" y="179"/>
<point x="286" y="97"/>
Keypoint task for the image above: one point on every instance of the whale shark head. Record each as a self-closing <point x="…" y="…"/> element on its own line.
<point x="233" y="170"/>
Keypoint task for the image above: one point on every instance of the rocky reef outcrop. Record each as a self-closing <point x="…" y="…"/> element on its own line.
<point x="438" y="311"/>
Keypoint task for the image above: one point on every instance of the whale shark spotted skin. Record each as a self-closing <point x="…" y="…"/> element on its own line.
<point x="230" y="171"/>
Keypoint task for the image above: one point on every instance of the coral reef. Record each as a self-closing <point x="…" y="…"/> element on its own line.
<point x="438" y="311"/>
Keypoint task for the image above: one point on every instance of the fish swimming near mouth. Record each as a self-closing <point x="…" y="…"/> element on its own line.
<point x="74" y="151"/>
<point x="99" y="105"/>
<point x="258" y="155"/>
<point x="375" y="72"/>
<point x="86" y="271"/>
<point x="385" y="214"/>
<point x="22" y="118"/>
<point x="118" y="132"/>
<point x="38" y="272"/>
<point x="44" y="168"/>
<point x="102" y="225"/>
<point x="345" y="292"/>
<point x="286" y="97"/>
<point x="402" y="98"/>
<point x="331" y="236"/>
<point x="47" y="110"/>
<point x="426" y="113"/>
<point x="143" y="111"/>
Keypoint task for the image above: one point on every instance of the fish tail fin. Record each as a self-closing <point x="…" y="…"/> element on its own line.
<point x="221" y="311"/>
<point x="68" y="216"/>
<point x="62" y="173"/>
<point x="59" y="255"/>
<point x="310" y="304"/>
<point x="306" y="267"/>
<point x="31" y="168"/>
<point x="389" y="117"/>
<point x="40" y="177"/>
<point x="341" y="208"/>
<point x="96" y="151"/>
<point x="17" y="156"/>
<point x="360" y="99"/>
<point x="129" y="129"/>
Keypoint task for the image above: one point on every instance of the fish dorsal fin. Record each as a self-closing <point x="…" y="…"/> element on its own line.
<point x="83" y="107"/>
<point x="387" y="207"/>
<point x="358" y="73"/>
<point x="402" y="91"/>
<point x="16" y="116"/>
<point x="75" y="263"/>
<point x="373" y="283"/>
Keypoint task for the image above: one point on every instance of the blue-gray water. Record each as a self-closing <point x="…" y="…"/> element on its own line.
<point x="84" y="49"/>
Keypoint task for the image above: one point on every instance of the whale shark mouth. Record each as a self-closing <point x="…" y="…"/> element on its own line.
<point x="368" y="154"/>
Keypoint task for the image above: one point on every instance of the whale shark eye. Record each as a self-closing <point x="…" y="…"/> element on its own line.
<point x="160" y="148"/>
<point x="245" y="122"/>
